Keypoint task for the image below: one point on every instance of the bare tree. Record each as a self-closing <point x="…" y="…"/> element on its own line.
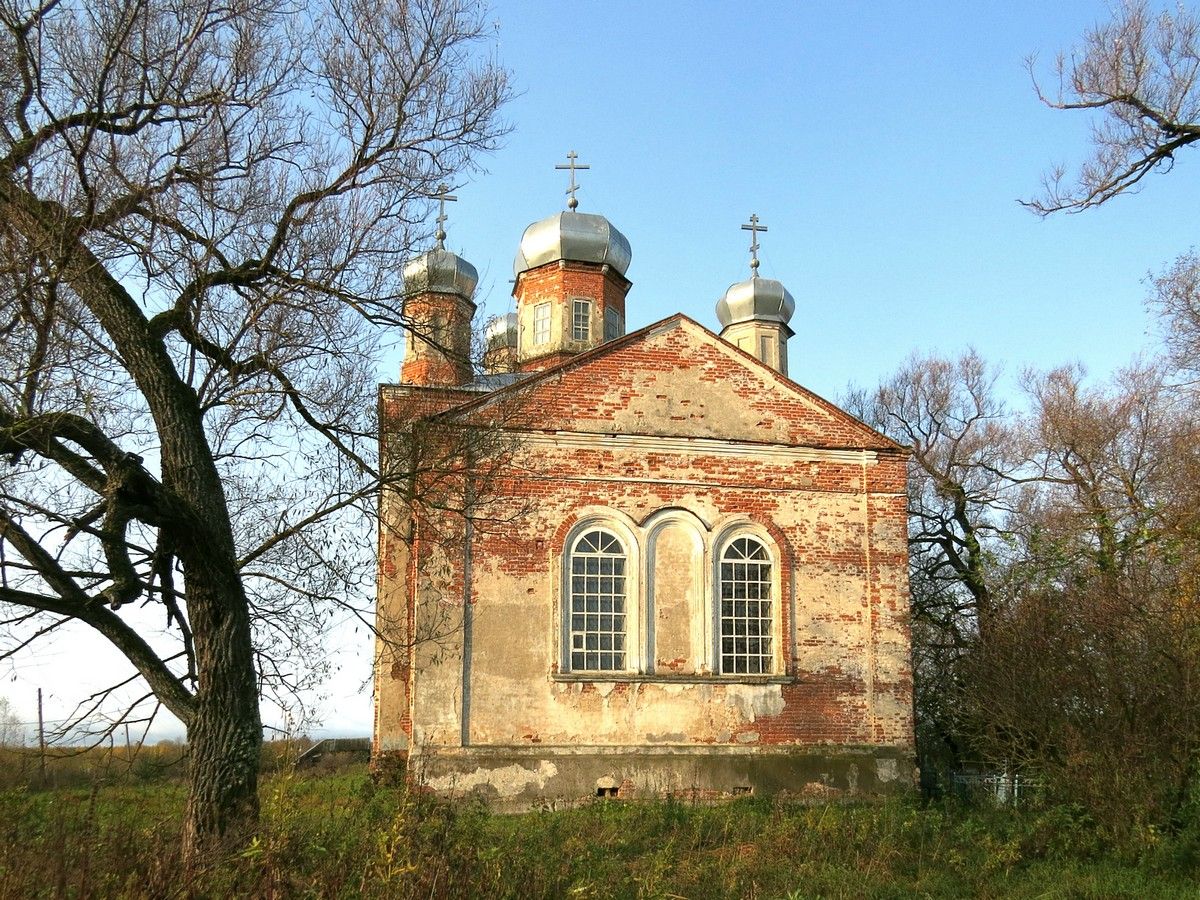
<point x="1175" y="296"/>
<point x="203" y="212"/>
<point x="12" y="731"/>
<point x="1089" y="673"/>
<point x="959" y="479"/>
<point x="947" y="411"/>
<point x="1141" y="73"/>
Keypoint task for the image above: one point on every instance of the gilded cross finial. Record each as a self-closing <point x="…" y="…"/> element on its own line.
<point x="573" y="166"/>
<point x="442" y="196"/>
<point x="754" y="228"/>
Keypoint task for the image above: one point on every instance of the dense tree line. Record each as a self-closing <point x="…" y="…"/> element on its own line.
<point x="1055" y="548"/>
<point x="1055" y="560"/>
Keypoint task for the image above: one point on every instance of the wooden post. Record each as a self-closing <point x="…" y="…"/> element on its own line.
<point x="41" y="741"/>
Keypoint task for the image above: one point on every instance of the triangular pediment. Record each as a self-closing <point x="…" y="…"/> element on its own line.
<point x="677" y="379"/>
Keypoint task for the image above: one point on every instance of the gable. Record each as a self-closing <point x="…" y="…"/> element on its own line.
<point x="677" y="379"/>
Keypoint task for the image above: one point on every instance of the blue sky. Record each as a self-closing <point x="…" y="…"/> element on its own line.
<point x="884" y="145"/>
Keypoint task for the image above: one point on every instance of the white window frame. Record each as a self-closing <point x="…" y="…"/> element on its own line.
<point x="634" y="651"/>
<point x="541" y="324"/>
<point x="581" y="319"/>
<point x="769" y="661"/>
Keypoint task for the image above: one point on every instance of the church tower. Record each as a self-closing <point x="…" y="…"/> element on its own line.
<point x="438" y="290"/>
<point x="754" y="313"/>
<point x="570" y="284"/>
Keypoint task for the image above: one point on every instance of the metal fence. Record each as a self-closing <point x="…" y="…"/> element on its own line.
<point x="997" y="787"/>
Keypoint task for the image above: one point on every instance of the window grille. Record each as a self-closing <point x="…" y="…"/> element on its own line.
<point x="541" y="323"/>
<point x="597" y="606"/>
<point x="746" y="613"/>
<point x="581" y="320"/>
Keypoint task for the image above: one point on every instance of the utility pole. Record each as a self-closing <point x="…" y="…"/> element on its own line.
<point x="41" y="741"/>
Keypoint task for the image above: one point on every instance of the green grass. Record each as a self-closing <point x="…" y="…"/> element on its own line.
<point x="341" y="836"/>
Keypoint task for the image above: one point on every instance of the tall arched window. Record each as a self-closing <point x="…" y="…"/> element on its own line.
<point x="597" y="603"/>
<point x="747" y="609"/>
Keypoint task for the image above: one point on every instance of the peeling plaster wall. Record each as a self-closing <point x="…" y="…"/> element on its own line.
<point x="682" y="635"/>
<point x="841" y="618"/>
<point x="833" y="515"/>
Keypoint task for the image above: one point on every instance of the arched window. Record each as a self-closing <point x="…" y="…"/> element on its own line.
<point x="747" y="609"/>
<point x="597" y="602"/>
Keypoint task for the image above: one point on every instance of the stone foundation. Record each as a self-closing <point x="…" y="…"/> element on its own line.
<point x="519" y="778"/>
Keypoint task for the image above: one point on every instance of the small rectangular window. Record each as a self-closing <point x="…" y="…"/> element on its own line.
<point x="764" y="349"/>
<point x="612" y="324"/>
<point x="581" y="320"/>
<point x="541" y="323"/>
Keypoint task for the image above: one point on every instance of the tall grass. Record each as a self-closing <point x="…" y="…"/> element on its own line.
<point x="343" y="836"/>
<point x="118" y="763"/>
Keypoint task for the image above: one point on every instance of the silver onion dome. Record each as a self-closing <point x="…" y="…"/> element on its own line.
<point x="575" y="236"/>
<point x="440" y="271"/>
<point x="501" y="331"/>
<point x="756" y="298"/>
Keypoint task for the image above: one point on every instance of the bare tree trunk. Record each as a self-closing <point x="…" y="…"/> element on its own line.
<point x="225" y="733"/>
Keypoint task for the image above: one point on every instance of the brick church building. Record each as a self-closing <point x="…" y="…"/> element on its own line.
<point x="679" y="571"/>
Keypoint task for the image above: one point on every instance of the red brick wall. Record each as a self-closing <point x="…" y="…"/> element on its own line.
<point x="838" y="519"/>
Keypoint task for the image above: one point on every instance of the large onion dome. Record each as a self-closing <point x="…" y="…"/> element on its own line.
<point x="574" y="236"/>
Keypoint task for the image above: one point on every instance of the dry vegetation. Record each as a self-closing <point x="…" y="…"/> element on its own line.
<point x="340" y="835"/>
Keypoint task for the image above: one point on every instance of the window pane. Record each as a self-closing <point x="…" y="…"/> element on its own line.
<point x="581" y="320"/>
<point x="600" y="592"/>
<point x="745" y="608"/>
<point x="541" y="323"/>
<point x="612" y="324"/>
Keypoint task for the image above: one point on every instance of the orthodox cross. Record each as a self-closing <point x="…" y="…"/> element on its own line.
<point x="573" y="166"/>
<point x="441" y="197"/>
<point x="754" y="228"/>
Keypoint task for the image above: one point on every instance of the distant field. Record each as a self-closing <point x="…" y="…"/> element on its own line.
<point x="338" y="835"/>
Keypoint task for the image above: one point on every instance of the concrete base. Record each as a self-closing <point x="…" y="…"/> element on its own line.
<point x="517" y="778"/>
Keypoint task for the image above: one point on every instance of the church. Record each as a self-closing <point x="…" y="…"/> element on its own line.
<point x="637" y="564"/>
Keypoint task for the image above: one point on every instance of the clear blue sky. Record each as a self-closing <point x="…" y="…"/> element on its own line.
<point x="884" y="145"/>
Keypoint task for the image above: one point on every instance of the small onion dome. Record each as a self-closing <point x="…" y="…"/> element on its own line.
<point x="501" y="331"/>
<point x="579" y="237"/>
<point x="440" y="271"/>
<point x="761" y="299"/>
